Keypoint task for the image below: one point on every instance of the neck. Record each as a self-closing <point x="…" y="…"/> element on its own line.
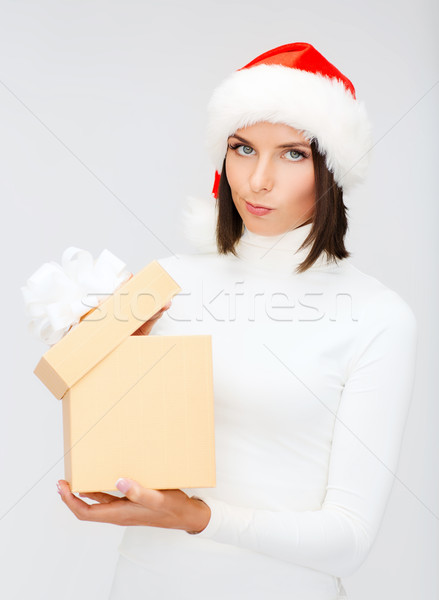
<point x="277" y="253"/>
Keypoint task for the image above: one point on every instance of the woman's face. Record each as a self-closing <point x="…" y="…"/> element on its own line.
<point x="262" y="173"/>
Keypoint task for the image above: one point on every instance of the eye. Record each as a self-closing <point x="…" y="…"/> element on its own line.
<point x="236" y="146"/>
<point x="297" y="152"/>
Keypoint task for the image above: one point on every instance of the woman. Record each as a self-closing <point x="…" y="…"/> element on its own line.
<point x="314" y="360"/>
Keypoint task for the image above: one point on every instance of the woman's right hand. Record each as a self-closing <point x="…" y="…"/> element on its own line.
<point x="145" y="329"/>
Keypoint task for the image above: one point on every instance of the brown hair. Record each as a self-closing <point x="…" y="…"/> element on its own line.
<point x="329" y="218"/>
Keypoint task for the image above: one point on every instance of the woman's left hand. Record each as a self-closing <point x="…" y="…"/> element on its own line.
<point x="171" y="509"/>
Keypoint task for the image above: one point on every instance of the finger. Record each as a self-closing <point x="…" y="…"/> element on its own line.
<point x="161" y="311"/>
<point x="77" y="506"/>
<point x="153" y="499"/>
<point x="145" y="329"/>
<point x="108" y="512"/>
<point x="99" y="497"/>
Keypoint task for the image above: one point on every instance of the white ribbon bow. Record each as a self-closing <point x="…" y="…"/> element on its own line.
<point x="54" y="294"/>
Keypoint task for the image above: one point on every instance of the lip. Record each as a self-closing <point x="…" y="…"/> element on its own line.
<point x="257" y="210"/>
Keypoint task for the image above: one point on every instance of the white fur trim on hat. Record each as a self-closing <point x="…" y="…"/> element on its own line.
<point x="198" y="219"/>
<point x="319" y="106"/>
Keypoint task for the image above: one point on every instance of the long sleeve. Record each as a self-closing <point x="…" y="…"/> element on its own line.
<point x="366" y="443"/>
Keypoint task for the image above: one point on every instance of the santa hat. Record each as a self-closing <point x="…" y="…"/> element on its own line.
<point x="292" y="84"/>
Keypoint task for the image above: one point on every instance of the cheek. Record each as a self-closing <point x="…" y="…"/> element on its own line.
<point x="236" y="177"/>
<point x="303" y="185"/>
<point x="231" y="171"/>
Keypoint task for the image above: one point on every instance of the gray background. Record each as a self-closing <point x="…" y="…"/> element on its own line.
<point x="102" y="132"/>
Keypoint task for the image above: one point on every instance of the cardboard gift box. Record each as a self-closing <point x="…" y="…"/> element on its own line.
<point x="133" y="405"/>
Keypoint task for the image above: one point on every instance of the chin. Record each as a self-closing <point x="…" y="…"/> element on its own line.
<point x="260" y="227"/>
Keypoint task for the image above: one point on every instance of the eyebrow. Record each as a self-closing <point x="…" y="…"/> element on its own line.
<point x="291" y="145"/>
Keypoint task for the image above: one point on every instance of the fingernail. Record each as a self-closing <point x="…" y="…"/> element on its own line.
<point x="58" y="486"/>
<point x="123" y="485"/>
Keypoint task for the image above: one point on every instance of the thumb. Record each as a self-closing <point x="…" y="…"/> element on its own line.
<point x="137" y="493"/>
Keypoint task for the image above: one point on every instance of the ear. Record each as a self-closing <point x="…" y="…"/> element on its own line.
<point x="198" y="222"/>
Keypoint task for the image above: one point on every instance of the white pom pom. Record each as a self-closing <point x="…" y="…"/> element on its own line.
<point x="199" y="217"/>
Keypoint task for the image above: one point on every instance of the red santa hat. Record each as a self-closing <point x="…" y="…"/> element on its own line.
<point x="296" y="85"/>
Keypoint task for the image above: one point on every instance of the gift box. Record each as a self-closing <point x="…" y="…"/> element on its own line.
<point x="133" y="405"/>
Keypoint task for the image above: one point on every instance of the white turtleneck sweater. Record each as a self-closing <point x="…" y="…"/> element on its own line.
<point x="313" y="375"/>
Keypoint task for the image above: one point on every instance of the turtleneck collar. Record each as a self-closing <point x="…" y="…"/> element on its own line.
<point x="277" y="253"/>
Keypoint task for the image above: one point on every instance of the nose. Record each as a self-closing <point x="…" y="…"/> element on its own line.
<point x="262" y="176"/>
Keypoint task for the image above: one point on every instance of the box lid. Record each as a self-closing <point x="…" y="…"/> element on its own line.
<point x="105" y="327"/>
